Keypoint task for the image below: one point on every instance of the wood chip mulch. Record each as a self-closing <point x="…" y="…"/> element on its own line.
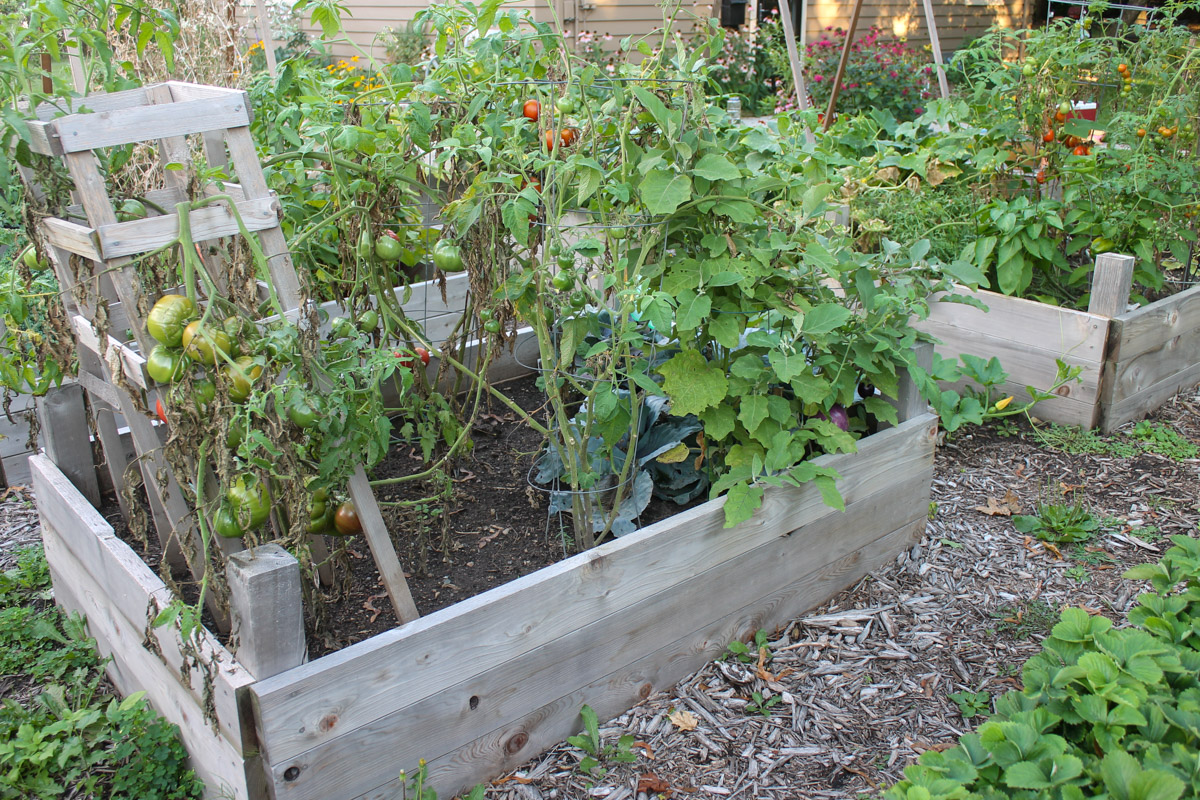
<point x="863" y="684"/>
<point x="856" y="690"/>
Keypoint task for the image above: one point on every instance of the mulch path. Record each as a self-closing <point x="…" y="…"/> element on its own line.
<point x="860" y="687"/>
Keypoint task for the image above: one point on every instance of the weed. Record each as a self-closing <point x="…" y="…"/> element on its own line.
<point x="1078" y="573"/>
<point x="747" y="654"/>
<point x="1023" y="621"/>
<point x="1059" y="522"/>
<point x="760" y="705"/>
<point x="1147" y="533"/>
<point x="1079" y="441"/>
<point x="933" y="509"/>
<point x="597" y="752"/>
<point x="1091" y="555"/>
<point x="1162" y="440"/>
<point x="972" y="704"/>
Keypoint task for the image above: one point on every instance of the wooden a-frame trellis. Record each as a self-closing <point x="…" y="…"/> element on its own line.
<point x="93" y="262"/>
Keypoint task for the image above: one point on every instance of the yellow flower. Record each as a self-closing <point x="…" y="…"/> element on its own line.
<point x="1003" y="404"/>
<point x="354" y="58"/>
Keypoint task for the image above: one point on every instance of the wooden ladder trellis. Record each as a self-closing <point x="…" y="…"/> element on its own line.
<point x="167" y="114"/>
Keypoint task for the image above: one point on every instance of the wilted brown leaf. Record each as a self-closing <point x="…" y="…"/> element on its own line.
<point x="684" y="720"/>
<point x="1004" y="507"/>
<point x="650" y="783"/>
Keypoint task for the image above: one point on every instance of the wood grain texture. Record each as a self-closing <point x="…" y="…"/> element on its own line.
<point x="132" y="364"/>
<point x="451" y="719"/>
<point x="67" y="438"/>
<point x="129" y="591"/>
<point x="1112" y="280"/>
<point x="1153" y="352"/>
<point x="108" y="101"/>
<point x="82" y="132"/>
<point x="455" y="644"/>
<point x="211" y="222"/>
<point x="1027" y="337"/>
<point x="78" y="239"/>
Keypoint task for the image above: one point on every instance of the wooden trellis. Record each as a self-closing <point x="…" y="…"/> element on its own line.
<point x="94" y="263"/>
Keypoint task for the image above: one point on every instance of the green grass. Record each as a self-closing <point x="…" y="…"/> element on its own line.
<point x="62" y="734"/>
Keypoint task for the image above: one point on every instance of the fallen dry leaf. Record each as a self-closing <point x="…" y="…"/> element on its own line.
<point x="1004" y="507"/>
<point x="1053" y="549"/>
<point x="645" y="748"/>
<point x="684" y="720"/>
<point x="650" y="783"/>
<point x="1067" y="488"/>
<point x="369" y="605"/>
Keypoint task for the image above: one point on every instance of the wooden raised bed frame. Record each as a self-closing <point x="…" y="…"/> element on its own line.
<point x="1132" y="361"/>
<point x="481" y="686"/>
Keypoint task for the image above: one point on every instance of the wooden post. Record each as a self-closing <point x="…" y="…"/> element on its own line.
<point x="841" y="70"/>
<point x="264" y="600"/>
<point x="1112" y="281"/>
<point x="268" y="40"/>
<point x="381" y="546"/>
<point x="789" y="35"/>
<point x="63" y="419"/>
<point x="909" y="403"/>
<point x="936" y="46"/>
<point x="47" y="76"/>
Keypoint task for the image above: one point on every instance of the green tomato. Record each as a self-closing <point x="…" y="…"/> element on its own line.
<point x="168" y="318"/>
<point x="368" y="321"/>
<point x="578" y="300"/>
<point x="32" y="261"/>
<point x="205" y="392"/>
<point x="388" y="248"/>
<point x="564" y="105"/>
<point x="1065" y="107"/>
<point x="1028" y="71"/>
<point x="492" y="326"/>
<point x="202" y="344"/>
<point x="241" y="375"/>
<point x="486" y="313"/>
<point x="566" y="261"/>
<point x="563" y="280"/>
<point x="448" y="257"/>
<point x="235" y="435"/>
<point x="248" y="499"/>
<point x="303" y="413"/>
<point x="164" y="364"/>
<point x="226" y="523"/>
<point x="341" y="328"/>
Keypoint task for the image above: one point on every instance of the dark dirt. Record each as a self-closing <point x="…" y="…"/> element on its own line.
<point x="493" y="529"/>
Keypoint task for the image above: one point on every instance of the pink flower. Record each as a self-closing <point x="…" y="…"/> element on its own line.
<point x="893" y="74"/>
<point x="818" y="78"/>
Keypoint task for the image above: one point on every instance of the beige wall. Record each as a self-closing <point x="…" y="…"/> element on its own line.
<point x="958" y="20"/>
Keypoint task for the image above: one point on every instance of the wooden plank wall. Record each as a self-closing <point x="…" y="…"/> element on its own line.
<point x="487" y="683"/>
<point x="1153" y="352"/>
<point x="99" y="576"/>
<point x="1028" y="337"/>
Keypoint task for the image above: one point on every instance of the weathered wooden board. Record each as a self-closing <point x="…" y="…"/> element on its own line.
<point x="211" y="222"/>
<point x="78" y="239"/>
<point x="451" y="719"/>
<point x="79" y="132"/>
<point x="1028" y="337"/>
<point x="132" y="364"/>
<point x="314" y="704"/>
<point x="1153" y="352"/>
<point x="128" y="589"/>
<point x="507" y="747"/>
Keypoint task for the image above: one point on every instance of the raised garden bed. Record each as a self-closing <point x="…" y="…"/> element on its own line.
<point x="1132" y="360"/>
<point x="485" y="684"/>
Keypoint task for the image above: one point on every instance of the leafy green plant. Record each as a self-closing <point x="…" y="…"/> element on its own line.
<point x="412" y="787"/>
<point x="71" y="738"/>
<point x="972" y="704"/>
<point x="759" y="705"/>
<point x="749" y="654"/>
<point x="1080" y="441"/>
<point x="1104" y="711"/>
<point x="1163" y="440"/>
<point x="597" y="752"/>
<point x="1059" y="522"/>
<point x="1023" y="620"/>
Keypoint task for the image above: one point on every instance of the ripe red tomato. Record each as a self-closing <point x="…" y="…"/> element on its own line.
<point x="1048" y="136"/>
<point x="532" y="110"/>
<point x="162" y="412"/>
<point x="423" y="354"/>
<point x="1060" y="117"/>
<point x="550" y="140"/>
<point x="1041" y="176"/>
<point x="346" y="520"/>
<point x="1081" y="151"/>
<point x="568" y="136"/>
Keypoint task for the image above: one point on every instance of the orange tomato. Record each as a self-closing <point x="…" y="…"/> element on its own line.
<point x="1122" y="68"/>
<point x="1048" y="136"/>
<point x="1081" y="151"/>
<point x="1141" y="132"/>
<point x="549" y="140"/>
<point x="532" y="110"/>
<point x="568" y="136"/>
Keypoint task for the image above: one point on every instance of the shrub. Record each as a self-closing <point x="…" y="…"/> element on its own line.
<point x="1104" y="712"/>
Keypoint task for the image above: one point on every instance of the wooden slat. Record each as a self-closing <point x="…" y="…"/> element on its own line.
<point x="509" y="746"/>
<point x="66" y="437"/>
<point x="1112" y="279"/>
<point x="99" y="388"/>
<point x="393" y="670"/>
<point x="129" y="589"/>
<point x="211" y="222"/>
<point x="1153" y="353"/>
<point x="78" y="239"/>
<point x="445" y="722"/>
<point x="380" y="541"/>
<point x="133" y="365"/>
<point x="81" y="132"/>
<point x="43" y="139"/>
<point x="182" y="92"/>
<point x="93" y="103"/>
<point x="1028" y="337"/>
<point x="249" y="173"/>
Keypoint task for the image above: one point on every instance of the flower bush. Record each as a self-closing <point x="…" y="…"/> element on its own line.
<point x="883" y="73"/>
<point x="743" y="67"/>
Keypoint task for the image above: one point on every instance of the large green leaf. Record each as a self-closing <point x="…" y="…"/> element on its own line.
<point x="716" y="167"/>
<point x="664" y="192"/>
<point x="692" y="383"/>
<point x="825" y="318"/>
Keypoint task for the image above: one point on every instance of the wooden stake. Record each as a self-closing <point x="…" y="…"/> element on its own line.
<point x="268" y="41"/>
<point x="380" y="542"/>
<point x="1112" y="281"/>
<point x="931" y="21"/>
<point x="47" y="78"/>
<point x="789" y="35"/>
<point x="841" y="70"/>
